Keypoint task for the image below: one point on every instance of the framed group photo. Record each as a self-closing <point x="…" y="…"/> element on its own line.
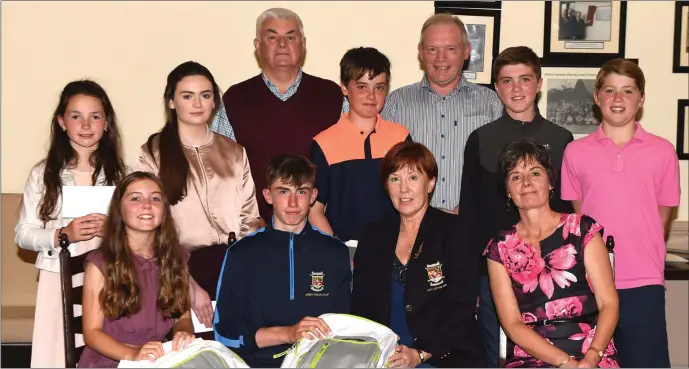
<point x="683" y="129"/>
<point x="585" y="33"/>
<point x="566" y="98"/>
<point x="483" y="32"/>
<point x="680" y="57"/>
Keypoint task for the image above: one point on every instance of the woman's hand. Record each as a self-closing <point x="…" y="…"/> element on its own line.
<point x="84" y="228"/>
<point x="150" y="351"/>
<point x="181" y="340"/>
<point x="404" y="357"/>
<point x="201" y="304"/>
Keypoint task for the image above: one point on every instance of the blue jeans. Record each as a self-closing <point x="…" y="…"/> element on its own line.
<point x="489" y="324"/>
<point x="641" y="334"/>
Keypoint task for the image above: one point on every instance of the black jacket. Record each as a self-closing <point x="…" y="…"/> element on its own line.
<point x="274" y="278"/>
<point x="440" y="314"/>
<point x="483" y="197"/>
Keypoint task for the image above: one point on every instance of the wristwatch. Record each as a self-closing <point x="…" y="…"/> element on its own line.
<point x="62" y="237"/>
<point x="422" y="356"/>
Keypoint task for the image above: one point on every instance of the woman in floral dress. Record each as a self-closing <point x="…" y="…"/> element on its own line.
<point x="544" y="270"/>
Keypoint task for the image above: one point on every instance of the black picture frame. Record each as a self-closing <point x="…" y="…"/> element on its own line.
<point x="582" y="59"/>
<point x="682" y="128"/>
<point x="677" y="65"/>
<point x="468" y="4"/>
<point x="475" y="12"/>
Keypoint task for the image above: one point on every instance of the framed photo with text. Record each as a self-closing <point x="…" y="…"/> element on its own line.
<point x="585" y="33"/>
<point x="683" y="129"/>
<point x="680" y="57"/>
<point x="483" y="31"/>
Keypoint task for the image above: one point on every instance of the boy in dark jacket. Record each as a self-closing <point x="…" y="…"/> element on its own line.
<point x="277" y="281"/>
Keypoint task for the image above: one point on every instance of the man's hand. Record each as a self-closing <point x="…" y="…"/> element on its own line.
<point x="310" y="328"/>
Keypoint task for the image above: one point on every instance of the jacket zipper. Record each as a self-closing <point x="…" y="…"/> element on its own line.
<point x="291" y="266"/>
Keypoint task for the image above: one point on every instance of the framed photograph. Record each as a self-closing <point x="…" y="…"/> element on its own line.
<point x="585" y="33"/>
<point x="680" y="57"/>
<point x="566" y="98"/>
<point x="483" y="31"/>
<point x="683" y="129"/>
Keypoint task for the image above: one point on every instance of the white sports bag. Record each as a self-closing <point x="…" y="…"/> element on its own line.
<point x="199" y="354"/>
<point x="353" y="342"/>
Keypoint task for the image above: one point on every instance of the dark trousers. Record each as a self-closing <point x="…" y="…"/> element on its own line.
<point x="488" y="323"/>
<point x="641" y="334"/>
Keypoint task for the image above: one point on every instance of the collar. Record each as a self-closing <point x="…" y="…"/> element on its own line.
<point x="293" y="86"/>
<point x="270" y="228"/>
<point x="462" y="84"/>
<point x="639" y="135"/>
<point x="535" y="122"/>
<point x="344" y="120"/>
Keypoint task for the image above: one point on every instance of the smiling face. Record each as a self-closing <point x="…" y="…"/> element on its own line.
<point x="84" y="122"/>
<point x="442" y="53"/>
<point x="193" y="100"/>
<point x="619" y="100"/>
<point x="517" y="85"/>
<point x="528" y="185"/>
<point x="290" y="204"/>
<point x="409" y="190"/>
<point x="366" y="96"/>
<point x="143" y="206"/>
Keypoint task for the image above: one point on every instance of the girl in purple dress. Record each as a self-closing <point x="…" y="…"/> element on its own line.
<point x="136" y="285"/>
<point x="544" y="271"/>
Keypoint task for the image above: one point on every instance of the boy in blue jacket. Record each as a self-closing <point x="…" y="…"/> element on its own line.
<point x="277" y="281"/>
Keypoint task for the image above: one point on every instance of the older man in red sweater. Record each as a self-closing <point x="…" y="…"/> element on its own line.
<point x="282" y="109"/>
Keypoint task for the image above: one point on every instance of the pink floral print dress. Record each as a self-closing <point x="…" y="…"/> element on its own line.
<point x="552" y="285"/>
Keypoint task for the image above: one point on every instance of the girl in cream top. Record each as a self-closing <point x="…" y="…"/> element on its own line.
<point x="84" y="151"/>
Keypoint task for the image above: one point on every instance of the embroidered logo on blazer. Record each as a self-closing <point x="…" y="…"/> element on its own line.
<point x="435" y="274"/>
<point x="317" y="283"/>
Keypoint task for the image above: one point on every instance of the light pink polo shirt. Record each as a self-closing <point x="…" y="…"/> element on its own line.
<point x="621" y="188"/>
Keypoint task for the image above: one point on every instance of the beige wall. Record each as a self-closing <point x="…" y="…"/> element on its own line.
<point x="130" y="47"/>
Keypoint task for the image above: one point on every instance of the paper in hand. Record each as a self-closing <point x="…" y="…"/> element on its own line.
<point x="78" y="201"/>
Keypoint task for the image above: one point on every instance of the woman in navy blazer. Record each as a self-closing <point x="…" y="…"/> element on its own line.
<point x="416" y="274"/>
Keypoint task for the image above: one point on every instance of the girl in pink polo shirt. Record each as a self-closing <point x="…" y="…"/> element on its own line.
<point x="628" y="179"/>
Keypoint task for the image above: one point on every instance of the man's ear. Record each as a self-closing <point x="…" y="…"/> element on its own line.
<point x="267" y="196"/>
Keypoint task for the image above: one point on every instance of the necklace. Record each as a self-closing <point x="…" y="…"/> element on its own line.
<point x="205" y="141"/>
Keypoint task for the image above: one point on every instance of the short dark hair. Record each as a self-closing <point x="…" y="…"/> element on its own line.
<point x="408" y="154"/>
<point x="291" y="169"/>
<point x="517" y="55"/>
<point x="361" y="60"/>
<point x="525" y="150"/>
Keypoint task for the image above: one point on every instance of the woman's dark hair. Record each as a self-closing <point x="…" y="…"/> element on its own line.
<point x="526" y="150"/>
<point x="106" y="158"/>
<point x="121" y="295"/>
<point x="174" y="168"/>
<point x="408" y="154"/>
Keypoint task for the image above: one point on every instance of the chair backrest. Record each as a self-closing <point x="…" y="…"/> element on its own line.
<point x="205" y="265"/>
<point x="72" y="285"/>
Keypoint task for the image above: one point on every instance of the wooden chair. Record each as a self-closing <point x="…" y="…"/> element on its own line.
<point x="72" y="282"/>
<point x="610" y="245"/>
<point x="205" y="265"/>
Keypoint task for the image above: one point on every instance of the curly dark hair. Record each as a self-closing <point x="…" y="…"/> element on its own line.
<point x="526" y="150"/>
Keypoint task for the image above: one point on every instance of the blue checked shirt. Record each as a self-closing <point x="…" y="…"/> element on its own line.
<point x="221" y="123"/>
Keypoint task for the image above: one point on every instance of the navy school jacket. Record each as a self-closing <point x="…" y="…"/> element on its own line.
<point x="274" y="278"/>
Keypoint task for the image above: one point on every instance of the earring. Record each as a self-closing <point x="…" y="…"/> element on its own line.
<point x="551" y="193"/>
<point x="106" y="128"/>
<point x="509" y="200"/>
<point x="64" y="129"/>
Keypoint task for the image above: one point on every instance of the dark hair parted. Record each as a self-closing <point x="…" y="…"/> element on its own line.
<point x="408" y="154"/>
<point x="291" y="169"/>
<point x="623" y="67"/>
<point x="363" y="60"/>
<point x="121" y="295"/>
<point x="107" y="158"/>
<point x="517" y="55"/>
<point x="526" y="150"/>
<point x="174" y="168"/>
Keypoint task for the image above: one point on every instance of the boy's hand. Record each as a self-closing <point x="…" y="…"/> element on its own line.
<point x="310" y="328"/>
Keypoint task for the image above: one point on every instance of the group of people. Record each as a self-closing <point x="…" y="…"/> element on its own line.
<point x="469" y="211"/>
<point x="572" y="24"/>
